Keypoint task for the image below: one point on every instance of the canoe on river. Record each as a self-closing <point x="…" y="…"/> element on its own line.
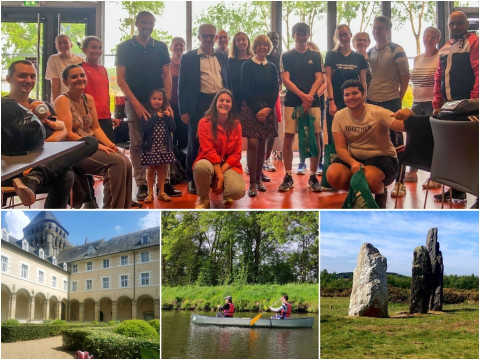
<point x="245" y="322"/>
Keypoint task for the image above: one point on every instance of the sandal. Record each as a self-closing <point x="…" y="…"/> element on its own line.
<point x="252" y="191"/>
<point x="149" y="198"/>
<point x="164" y="197"/>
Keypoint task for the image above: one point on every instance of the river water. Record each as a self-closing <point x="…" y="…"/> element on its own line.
<point x="183" y="340"/>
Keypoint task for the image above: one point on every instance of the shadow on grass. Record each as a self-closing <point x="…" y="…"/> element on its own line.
<point x="460" y="310"/>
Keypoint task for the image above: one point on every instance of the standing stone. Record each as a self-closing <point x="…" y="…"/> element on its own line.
<point x="370" y="291"/>
<point x="436" y="260"/>
<point x="421" y="281"/>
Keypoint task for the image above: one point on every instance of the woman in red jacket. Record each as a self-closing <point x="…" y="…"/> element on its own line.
<point x="218" y="161"/>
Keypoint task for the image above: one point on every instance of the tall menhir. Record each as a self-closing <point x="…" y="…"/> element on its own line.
<point x="436" y="259"/>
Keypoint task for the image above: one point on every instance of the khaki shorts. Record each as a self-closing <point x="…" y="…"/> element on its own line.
<point x="291" y="125"/>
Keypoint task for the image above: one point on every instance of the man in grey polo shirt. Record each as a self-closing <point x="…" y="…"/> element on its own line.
<point x="390" y="76"/>
<point x="142" y="65"/>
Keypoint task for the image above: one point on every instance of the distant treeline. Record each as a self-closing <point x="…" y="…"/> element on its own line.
<point x="303" y="297"/>
<point x="345" y="280"/>
<point x="213" y="248"/>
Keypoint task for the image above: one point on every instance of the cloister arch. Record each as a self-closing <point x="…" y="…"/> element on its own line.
<point x="40" y="300"/>
<point x="88" y="310"/>
<point x="63" y="311"/>
<point x="74" y="310"/>
<point x="124" y="308"/>
<point x="145" y="307"/>
<point x="105" y="309"/>
<point x="22" y="304"/>
<point x="53" y="311"/>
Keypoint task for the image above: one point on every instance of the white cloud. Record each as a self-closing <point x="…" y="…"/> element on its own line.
<point x="16" y="222"/>
<point x="118" y="229"/>
<point x="151" y="219"/>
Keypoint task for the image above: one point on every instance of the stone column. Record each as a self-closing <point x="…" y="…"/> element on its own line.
<point x="59" y="310"/>
<point x="156" y="309"/>
<point x="81" y="313"/>
<point x="9" y="306"/>
<point x="13" y="305"/>
<point x="31" y="304"/>
<point x="97" y="310"/>
<point x="47" y="309"/>
<point x="114" y="310"/>
<point x="134" y="309"/>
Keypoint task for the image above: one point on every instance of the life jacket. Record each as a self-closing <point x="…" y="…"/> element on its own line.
<point x="230" y="311"/>
<point x="287" y="313"/>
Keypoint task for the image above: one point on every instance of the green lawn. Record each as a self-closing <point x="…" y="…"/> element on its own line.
<point x="452" y="333"/>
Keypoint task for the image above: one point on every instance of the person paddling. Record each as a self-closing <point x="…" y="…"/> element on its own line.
<point x="228" y="309"/>
<point x="285" y="309"/>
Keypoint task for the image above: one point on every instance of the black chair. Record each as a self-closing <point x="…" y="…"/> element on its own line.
<point x="455" y="155"/>
<point x="419" y="145"/>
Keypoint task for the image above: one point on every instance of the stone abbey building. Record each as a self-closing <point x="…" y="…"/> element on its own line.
<point x="45" y="277"/>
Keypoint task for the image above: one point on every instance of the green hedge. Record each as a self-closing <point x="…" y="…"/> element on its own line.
<point x="12" y="333"/>
<point x="106" y="345"/>
<point x="156" y="324"/>
<point x="136" y="328"/>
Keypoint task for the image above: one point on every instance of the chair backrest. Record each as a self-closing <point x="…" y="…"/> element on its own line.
<point x="419" y="146"/>
<point x="455" y="154"/>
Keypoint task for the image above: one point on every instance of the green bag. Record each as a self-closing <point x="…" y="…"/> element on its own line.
<point x="359" y="195"/>
<point x="307" y="143"/>
<point x="329" y="154"/>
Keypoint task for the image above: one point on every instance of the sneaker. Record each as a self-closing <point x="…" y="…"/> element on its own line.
<point x="314" y="184"/>
<point x="319" y="170"/>
<point x="302" y="168"/>
<point x="458" y="197"/>
<point x="191" y="188"/>
<point x="25" y="187"/>
<point x="287" y="183"/>
<point x="431" y="184"/>
<point x="136" y="205"/>
<point x="142" y="192"/>
<point x="169" y="190"/>
<point x="203" y="203"/>
<point x="411" y="176"/>
<point x="381" y="199"/>
<point x="399" y="190"/>
<point x="268" y="166"/>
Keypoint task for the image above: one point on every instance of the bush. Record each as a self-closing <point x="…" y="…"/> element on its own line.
<point x="59" y="322"/>
<point x="108" y="346"/>
<point x="48" y="321"/>
<point x="136" y="328"/>
<point x="155" y="323"/>
<point x="12" y="333"/>
<point x="11" y="322"/>
<point x="113" y="322"/>
<point x="94" y="322"/>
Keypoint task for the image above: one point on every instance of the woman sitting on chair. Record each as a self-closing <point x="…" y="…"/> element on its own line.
<point x="78" y="112"/>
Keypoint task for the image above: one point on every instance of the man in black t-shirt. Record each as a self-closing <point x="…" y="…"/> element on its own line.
<point x="301" y="71"/>
<point x="142" y="65"/>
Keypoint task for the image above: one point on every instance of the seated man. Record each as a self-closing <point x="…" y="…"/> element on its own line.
<point x="54" y="177"/>
<point x="228" y="309"/>
<point x="362" y="141"/>
<point x="285" y="309"/>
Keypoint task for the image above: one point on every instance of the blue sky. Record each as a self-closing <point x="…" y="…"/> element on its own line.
<point x="395" y="235"/>
<point x="95" y="225"/>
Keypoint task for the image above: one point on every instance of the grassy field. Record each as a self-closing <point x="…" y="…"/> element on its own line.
<point x="452" y="333"/>
<point x="303" y="297"/>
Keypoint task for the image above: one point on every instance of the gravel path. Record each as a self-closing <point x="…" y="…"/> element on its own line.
<point x="48" y="348"/>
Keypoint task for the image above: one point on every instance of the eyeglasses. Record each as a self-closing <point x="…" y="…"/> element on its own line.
<point x="208" y="36"/>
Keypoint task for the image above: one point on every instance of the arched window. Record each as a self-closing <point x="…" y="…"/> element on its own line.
<point x="65" y="266"/>
<point x="54" y="260"/>
<point x="25" y="245"/>
<point x="41" y="254"/>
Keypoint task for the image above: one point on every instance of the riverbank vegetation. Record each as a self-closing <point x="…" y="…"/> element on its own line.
<point x="303" y="297"/>
<point x="452" y="333"/>
<point x="212" y="248"/>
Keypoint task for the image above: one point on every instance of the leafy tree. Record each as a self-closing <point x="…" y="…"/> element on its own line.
<point x="350" y="10"/>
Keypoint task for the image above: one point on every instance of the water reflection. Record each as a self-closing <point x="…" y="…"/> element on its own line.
<point x="181" y="339"/>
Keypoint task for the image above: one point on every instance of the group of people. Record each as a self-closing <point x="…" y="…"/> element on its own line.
<point x="209" y="98"/>
<point x="283" y="311"/>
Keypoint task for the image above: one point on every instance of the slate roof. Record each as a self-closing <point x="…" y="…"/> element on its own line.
<point x="45" y="216"/>
<point x="115" y="245"/>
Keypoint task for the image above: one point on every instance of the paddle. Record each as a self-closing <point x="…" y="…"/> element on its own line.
<point x="256" y="318"/>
